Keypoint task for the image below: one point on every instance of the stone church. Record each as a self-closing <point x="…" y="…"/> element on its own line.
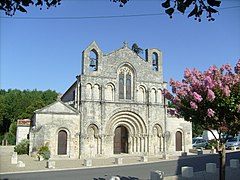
<point x="114" y="107"/>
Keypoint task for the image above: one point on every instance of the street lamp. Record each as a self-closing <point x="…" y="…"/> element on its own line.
<point x="165" y="123"/>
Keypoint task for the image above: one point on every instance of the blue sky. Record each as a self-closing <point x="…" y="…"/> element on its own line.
<point x="46" y="53"/>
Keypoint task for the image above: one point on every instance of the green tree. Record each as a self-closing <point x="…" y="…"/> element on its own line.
<point x="196" y="130"/>
<point x="16" y="104"/>
<point x="211" y="100"/>
<point x="136" y="48"/>
<point x="170" y="6"/>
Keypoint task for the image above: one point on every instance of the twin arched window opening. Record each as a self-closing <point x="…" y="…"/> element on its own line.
<point x="125" y="83"/>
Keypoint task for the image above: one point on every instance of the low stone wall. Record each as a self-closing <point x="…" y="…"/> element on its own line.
<point x="6" y="150"/>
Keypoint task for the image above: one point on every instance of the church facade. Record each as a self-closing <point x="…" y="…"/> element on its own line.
<point x="114" y="107"/>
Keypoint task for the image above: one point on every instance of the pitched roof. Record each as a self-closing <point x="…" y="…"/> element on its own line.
<point x="58" y="107"/>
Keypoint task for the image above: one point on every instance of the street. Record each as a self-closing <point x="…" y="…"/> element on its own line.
<point x="127" y="172"/>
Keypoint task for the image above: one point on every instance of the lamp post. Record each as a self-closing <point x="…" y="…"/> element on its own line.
<point x="165" y="124"/>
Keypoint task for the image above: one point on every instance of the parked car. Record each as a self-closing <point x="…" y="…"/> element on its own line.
<point x="233" y="142"/>
<point x="199" y="143"/>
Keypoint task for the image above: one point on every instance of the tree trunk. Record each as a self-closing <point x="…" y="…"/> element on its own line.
<point x="222" y="162"/>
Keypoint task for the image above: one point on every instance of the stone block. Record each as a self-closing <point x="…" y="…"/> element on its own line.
<point x="234" y="163"/>
<point x="213" y="151"/>
<point x="187" y="171"/>
<point x="192" y="150"/>
<point x="40" y="157"/>
<point x="87" y="162"/>
<point x="156" y="175"/>
<point x="118" y="160"/>
<point x="184" y="154"/>
<point x="211" y="167"/>
<point x="114" y="178"/>
<point x="199" y="152"/>
<point x="144" y="158"/>
<point x="14" y="158"/>
<point x="20" y="164"/>
<point x="234" y="148"/>
<point x="51" y="164"/>
<point x="165" y="156"/>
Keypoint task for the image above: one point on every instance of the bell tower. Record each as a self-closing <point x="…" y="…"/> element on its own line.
<point x="91" y="59"/>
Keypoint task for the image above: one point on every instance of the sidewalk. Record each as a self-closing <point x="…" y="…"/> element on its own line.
<point x="33" y="165"/>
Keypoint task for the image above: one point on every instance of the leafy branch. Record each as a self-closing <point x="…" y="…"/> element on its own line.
<point x="199" y="6"/>
<point x="11" y="6"/>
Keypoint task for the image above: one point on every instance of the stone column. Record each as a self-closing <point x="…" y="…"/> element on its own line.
<point x="146" y="143"/>
<point x="134" y="144"/>
<point x="14" y="158"/>
<point x="142" y="144"/>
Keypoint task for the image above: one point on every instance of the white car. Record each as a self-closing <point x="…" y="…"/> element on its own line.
<point x="199" y="143"/>
<point x="233" y="142"/>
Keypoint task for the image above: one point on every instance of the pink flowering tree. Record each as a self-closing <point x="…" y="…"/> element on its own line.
<point x="211" y="100"/>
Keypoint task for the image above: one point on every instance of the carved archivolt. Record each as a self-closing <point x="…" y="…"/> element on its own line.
<point x="133" y="122"/>
<point x="125" y="69"/>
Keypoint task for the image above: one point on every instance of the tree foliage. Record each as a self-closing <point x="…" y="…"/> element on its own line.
<point x="22" y="147"/>
<point x="211" y="100"/>
<point x="16" y="104"/>
<point x="197" y="6"/>
<point x="11" y="6"/>
<point x="136" y="48"/>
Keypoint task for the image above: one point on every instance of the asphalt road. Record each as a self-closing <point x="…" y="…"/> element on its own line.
<point x="127" y="172"/>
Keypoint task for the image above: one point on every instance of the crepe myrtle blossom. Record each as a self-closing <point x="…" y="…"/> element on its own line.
<point x="196" y="86"/>
<point x="210" y="112"/>
<point x="172" y="82"/>
<point x="193" y="105"/>
<point x="171" y="111"/>
<point x="208" y="82"/>
<point x="210" y="95"/>
<point x="223" y="128"/>
<point x="211" y="99"/>
<point x="178" y="84"/>
<point x="226" y="91"/>
<point x="167" y="94"/>
<point x="187" y="73"/>
<point x="197" y="97"/>
<point x="228" y="67"/>
<point x="237" y="67"/>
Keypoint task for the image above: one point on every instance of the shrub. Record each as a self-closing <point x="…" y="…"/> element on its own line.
<point x="22" y="147"/>
<point x="212" y="143"/>
<point x="11" y="138"/>
<point x="44" y="152"/>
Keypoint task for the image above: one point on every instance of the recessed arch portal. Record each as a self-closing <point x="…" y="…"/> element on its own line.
<point x="132" y="127"/>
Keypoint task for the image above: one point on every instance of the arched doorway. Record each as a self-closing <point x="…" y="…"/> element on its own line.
<point x="62" y="142"/>
<point x="178" y="141"/>
<point x="120" y="140"/>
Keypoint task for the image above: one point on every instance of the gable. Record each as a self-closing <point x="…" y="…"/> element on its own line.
<point x="125" y="53"/>
<point x="57" y="107"/>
